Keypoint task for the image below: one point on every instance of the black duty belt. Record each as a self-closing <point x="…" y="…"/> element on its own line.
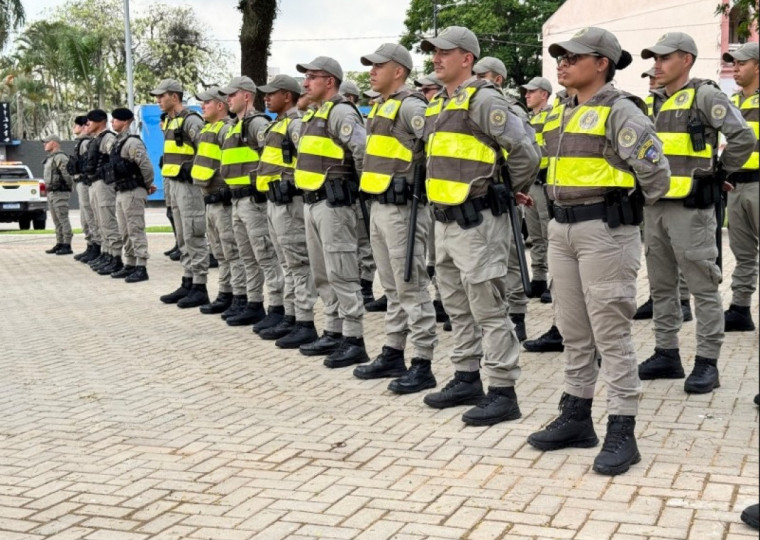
<point x="249" y="191"/>
<point x="541" y="178"/>
<point x="59" y="190"/>
<point x="221" y="196"/>
<point x="579" y="212"/>
<point x="311" y="197"/>
<point x="744" y="177"/>
<point x="469" y="208"/>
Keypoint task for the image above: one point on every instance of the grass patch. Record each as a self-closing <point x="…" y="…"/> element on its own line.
<point x="154" y="229"/>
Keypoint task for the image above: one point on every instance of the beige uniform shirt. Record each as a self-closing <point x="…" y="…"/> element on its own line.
<point x="55" y="165"/>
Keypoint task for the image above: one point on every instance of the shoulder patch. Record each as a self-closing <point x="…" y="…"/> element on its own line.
<point x="718" y="111"/>
<point x="627" y="137"/>
<point x="346" y="129"/>
<point x="295" y="137"/>
<point x="755" y="100"/>
<point x="418" y="122"/>
<point x="260" y="136"/>
<point x="648" y="151"/>
<point x="132" y="153"/>
<point x="497" y="118"/>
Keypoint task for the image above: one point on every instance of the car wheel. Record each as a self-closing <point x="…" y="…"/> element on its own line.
<point x="24" y="224"/>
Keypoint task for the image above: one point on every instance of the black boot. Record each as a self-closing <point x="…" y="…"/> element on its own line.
<point x="440" y="313"/>
<point x="238" y="305"/>
<point x="704" y="378"/>
<point x="124" y="272"/>
<point x="176" y="254"/>
<point x="197" y="297"/>
<point x="222" y="302"/>
<point x="645" y="311"/>
<point x="518" y="319"/>
<point x="114" y="266"/>
<point x="738" y="319"/>
<point x="303" y="333"/>
<point x="573" y="428"/>
<point x="140" y="274"/>
<point x="274" y="316"/>
<point x="350" y="351"/>
<point x="78" y="256"/>
<point x="212" y="262"/>
<point x="179" y="294"/>
<point x="94" y="254"/>
<point x="65" y="249"/>
<point x="751" y="516"/>
<point x="281" y="329"/>
<point x="367" y="296"/>
<point x="686" y="311"/>
<point x="663" y="364"/>
<point x="381" y="304"/>
<point x="390" y="363"/>
<point x="464" y="389"/>
<point x="417" y="378"/>
<point x="551" y="341"/>
<point x="537" y="288"/>
<point x="546" y="298"/>
<point x="619" y="450"/>
<point x="104" y="260"/>
<point x="53" y="250"/>
<point x="499" y="405"/>
<point x="252" y="313"/>
<point x="326" y="344"/>
<point x="447" y="326"/>
<point x="168" y="252"/>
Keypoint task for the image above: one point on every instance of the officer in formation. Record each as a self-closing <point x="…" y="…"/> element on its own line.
<point x="86" y="212"/>
<point x="680" y="228"/>
<point x="58" y="183"/>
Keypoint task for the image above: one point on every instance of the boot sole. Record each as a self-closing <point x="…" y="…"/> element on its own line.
<point x="646" y="377"/>
<point x="292" y="346"/>
<point x="620" y="469"/>
<point x="171" y="300"/>
<point x="336" y="365"/>
<point x="126" y="280"/>
<point x="194" y="304"/>
<point x="512" y="415"/>
<point x="246" y="322"/>
<point x="544" y="349"/>
<point x="430" y="383"/>
<point x="212" y="311"/>
<point x="318" y="353"/>
<point x="700" y="390"/>
<point x="749" y="520"/>
<point x="271" y="337"/>
<point x="739" y="329"/>
<point x="547" y="446"/>
<point x="395" y="373"/>
<point x="473" y="400"/>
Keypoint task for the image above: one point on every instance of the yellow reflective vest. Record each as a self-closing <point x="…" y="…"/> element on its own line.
<point x="209" y="155"/>
<point x="176" y="154"/>
<point x="240" y="157"/>
<point x="538" y="121"/>
<point x="751" y="113"/>
<point x="272" y="165"/>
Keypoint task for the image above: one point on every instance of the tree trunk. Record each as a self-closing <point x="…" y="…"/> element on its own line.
<point x="255" y="39"/>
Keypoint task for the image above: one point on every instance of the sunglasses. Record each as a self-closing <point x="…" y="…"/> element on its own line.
<point x="571" y="58"/>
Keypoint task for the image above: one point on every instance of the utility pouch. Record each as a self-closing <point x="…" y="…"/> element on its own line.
<point x="704" y="194"/>
<point x="612" y="206"/>
<point x="696" y="130"/>
<point x="497" y="199"/>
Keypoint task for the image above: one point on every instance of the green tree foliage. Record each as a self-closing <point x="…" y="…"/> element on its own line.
<point x="507" y="29"/>
<point x="12" y="16"/>
<point x="745" y="12"/>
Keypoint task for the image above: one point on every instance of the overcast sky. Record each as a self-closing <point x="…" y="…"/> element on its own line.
<point x="300" y="30"/>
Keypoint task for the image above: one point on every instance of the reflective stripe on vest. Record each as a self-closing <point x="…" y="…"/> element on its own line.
<point x="649" y="101"/>
<point x="751" y="113"/>
<point x="580" y="159"/>
<point x="317" y="152"/>
<point x="457" y="154"/>
<point x="538" y="121"/>
<point x="209" y="155"/>
<point x="385" y="155"/>
<point x="174" y="154"/>
<point x="272" y="161"/>
<point x="239" y="161"/>
<point x="672" y="128"/>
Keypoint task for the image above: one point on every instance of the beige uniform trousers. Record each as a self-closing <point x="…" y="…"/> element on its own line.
<point x="189" y="212"/>
<point x="367" y="267"/>
<point x="743" y="226"/>
<point x="537" y="221"/>
<point x="221" y="239"/>
<point x="471" y="267"/>
<point x="87" y="214"/>
<point x="331" y="240"/>
<point x="130" y="215"/>
<point x="288" y="230"/>
<point x="410" y="310"/>
<point x="168" y="192"/>
<point x="683" y="238"/>
<point x="103" y="200"/>
<point x="58" y="204"/>
<point x="249" y="221"/>
<point x="594" y="271"/>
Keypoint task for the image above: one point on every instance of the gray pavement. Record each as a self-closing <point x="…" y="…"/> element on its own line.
<point x="123" y="418"/>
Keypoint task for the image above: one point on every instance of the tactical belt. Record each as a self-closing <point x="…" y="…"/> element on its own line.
<point x="58" y="189"/>
<point x="578" y="213"/>
<point x="399" y="193"/>
<point x="249" y="191"/>
<point x="466" y="214"/>
<point x="281" y="192"/>
<point x="541" y="178"/>
<point x="744" y="177"/>
<point x="312" y="197"/>
<point x="222" y="196"/>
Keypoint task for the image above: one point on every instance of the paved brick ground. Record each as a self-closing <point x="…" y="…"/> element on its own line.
<point x="123" y="418"/>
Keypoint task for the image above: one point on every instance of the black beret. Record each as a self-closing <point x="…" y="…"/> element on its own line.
<point x="80" y="120"/>
<point x="123" y="114"/>
<point x="97" y="115"/>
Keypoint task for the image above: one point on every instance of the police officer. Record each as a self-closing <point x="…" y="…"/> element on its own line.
<point x="330" y="158"/>
<point x="350" y="91"/>
<point x="681" y="228"/>
<point x="86" y="214"/>
<point x="471" y="117"/>
<point x="285" y="214"/>
<point x="394" y="160"/>
<point x="102" y="194"/>
<point x="182" y="131"/>
<point x="600" y="146"/>
<point x="132" y="174"/>
<point x="743" y="195"/>
<point x="240" y="160"/>
<point x="58" y="183"/>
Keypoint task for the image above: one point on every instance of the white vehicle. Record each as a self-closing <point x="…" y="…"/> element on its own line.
<point x="22" y="197"/>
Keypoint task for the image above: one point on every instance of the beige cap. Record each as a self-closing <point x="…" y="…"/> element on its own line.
<point x="209" y="94"/>
<point x="371" y="94"/>
<point x="748" y="51"/>
<point x="451" y="38"/>
<point x="671" y="42"/>
<point x="490" y="63"/>
<point x="52" y="138"/>
<point x="648" y="73"/>
<point x="349" y="88"/>
<point x="281" y="82"/>
<point x="388" y="52"/>
<point x="323" y="63"/>
<point x="428" y="80"/>
<point x="167" y="85"/>
<point x="538" y="83"/>
<point x="592" y="40"/>
<point x="238" y="83"/>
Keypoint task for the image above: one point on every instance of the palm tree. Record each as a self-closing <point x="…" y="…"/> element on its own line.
<point x="12" y="16"/>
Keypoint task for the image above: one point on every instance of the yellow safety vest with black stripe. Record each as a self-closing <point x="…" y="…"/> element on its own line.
<point x="538" y="121"/>
<point x="240" y="157"/>
<point x="176" y="155"/>
<point x="751" y="113"/>
<point x="272" y="165"/>
<point x="649" y="101"/>
<point x="672" y="124"/>
<point x="318" y="153"/>
<point x="458" y="152"/>
<point x="386" y="155"/>
<point x="577" y="147"/>
<point x="209" y="155"/>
